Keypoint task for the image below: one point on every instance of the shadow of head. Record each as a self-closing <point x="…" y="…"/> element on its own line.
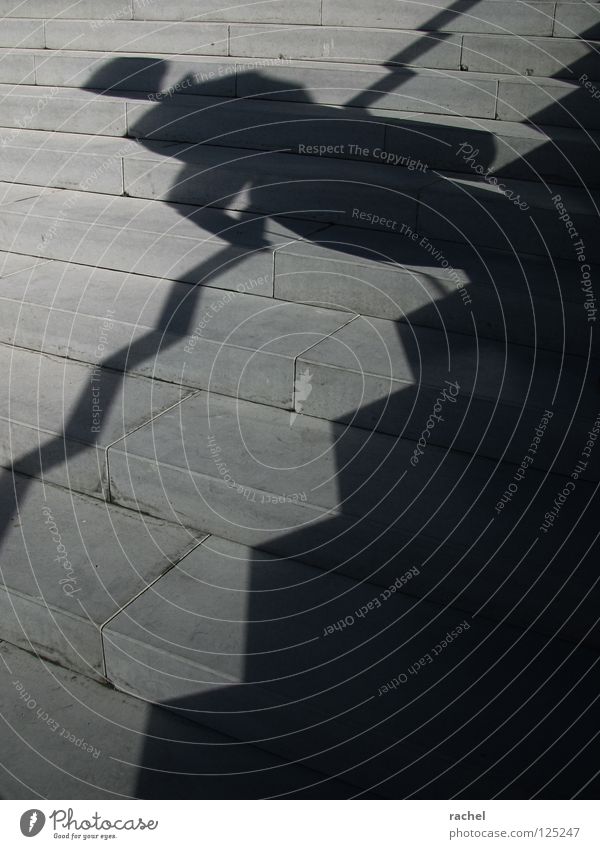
<point x="162" y="78"/>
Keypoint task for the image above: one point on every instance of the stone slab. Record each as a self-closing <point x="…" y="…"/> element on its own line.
<point x="443" y="15"/>
<point x="507" y="148"/>
<point x="151" y="73"/>
<point x="577" y="19"/>
<point x="64" y="160"/>
<point x="347" y="44"/>
<point x="137" y="37"/>
<point x="17" y="68"/>
<point x="418" y="90"/>
<point x="15" y="264"/>
<point x="282" y="12"/>
<point x="298" y="127"/>
<point x="542" y="101"/>
<point x="79" y="9"/>
<point x="35" y="108"/>
<point x="22" y="33"/>
<point x="542" y="57"/>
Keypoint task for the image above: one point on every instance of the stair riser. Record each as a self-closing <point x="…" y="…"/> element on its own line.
<point x="59" y="114"/>
<point x="56" y="169"/>
<point x="547" y="104"/>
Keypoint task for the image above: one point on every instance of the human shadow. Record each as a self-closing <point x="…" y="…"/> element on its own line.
<point x="407" y="503"/>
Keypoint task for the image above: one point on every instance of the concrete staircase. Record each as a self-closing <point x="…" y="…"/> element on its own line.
<point x="300" y="376"/>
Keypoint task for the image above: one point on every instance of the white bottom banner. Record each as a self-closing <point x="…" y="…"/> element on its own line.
<point x="296" y="825"/>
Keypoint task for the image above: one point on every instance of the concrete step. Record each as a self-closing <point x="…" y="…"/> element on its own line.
<point x="138" y="37"/>
<point x="503" y="52"/>
<point x="541" y="100"/>
<point x="347" y="44"/>
<point x="408" y="139"/>
<point x="168" y="241"/>
<point x="542" y="57"/>
<point x="511" y="214"/>
<point x="17" y="67"/>
<point x="563" y="155"/>
<point x="66" y="734"/>
<point x="342" y="35"/>
<point x="400" y="140"/>
<point x="66" y="160"/>
<point x="371" y="506"/>
<point x="59" y="417"/>
<point x="236" y="344"/>
<point x="431" y="283"/>
<point x="577" y="19"/>
<point x="514" y="215"/>
<point x="60" y="9"/>
<point x="217" y="245"/>
<point x="30" y="107"/>
<point x="518" y="299"/>
<point x="239" y="345"/>
<point x="239" y="640"/>
<point x="494" y="16"/>
<point x="16" y="263"/>
<point x="331" y="191"/>
<point x="275" y="79"/>
<point x="284" y="11"/>
<point x="22" y="33"/>
<point x="70" y="563"/>
<point x="525" y="18"/>
<point x="388" y="377"/>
